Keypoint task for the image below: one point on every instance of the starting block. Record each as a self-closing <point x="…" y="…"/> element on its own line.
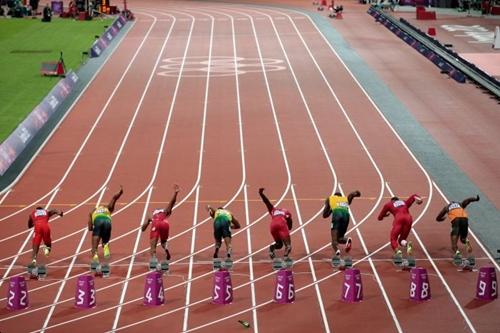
<point x="217" y="264"/>
<point x="487" y="287"/>
<point x="85" y="297"/>
<point x="223" y="288"/>
<point x="153" y="264"/>
<point x="102" y="270"/>
<point x="352" y="289"/>
<point x="284" y="289"/>
<point x="37" y="272"/>
<point x="17" y="297"/>
<point x="153" y="289"/>
<point x="165" y="266"/>
<point x="420" y="289"/>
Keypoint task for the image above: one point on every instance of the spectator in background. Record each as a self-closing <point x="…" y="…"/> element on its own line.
<point x="34" y="6"/>
<point x="47" y="14"/>
<point x="4" y="7"/>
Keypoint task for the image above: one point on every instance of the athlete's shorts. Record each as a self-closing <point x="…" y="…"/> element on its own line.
<point x="221" y="230"/>
<point x="102" y="228"/>
<point x="42" y="232"/>
<point x="460" y="227"/>
<point x="340" y="221"/>
<point x="279" y="231"/>
<point x="159" y="231"/>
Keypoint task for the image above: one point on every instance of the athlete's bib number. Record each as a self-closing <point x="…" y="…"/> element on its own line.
<point x="482" y="288"/>
<point x="424" y="292"/>
<point x="81" y="297"/>
<point x="398" y="203"/>
<point x="358" y="289"/>
<point x="40" y="212"/>
<point x="22" y="300"/>
<point x="227" y="295"/>
<point x="279" y="291"/>
<point x="149" y="295"/>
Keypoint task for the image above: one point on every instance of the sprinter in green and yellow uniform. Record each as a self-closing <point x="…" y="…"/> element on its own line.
<point x="223" y="222"/>
<point x="338" y="206"/>
<point x="100" y="225"/>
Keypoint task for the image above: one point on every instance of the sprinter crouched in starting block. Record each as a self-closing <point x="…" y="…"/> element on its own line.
<point x="160" y="230"/>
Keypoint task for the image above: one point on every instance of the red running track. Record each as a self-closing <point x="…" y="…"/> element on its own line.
<point x="289" y="117"/>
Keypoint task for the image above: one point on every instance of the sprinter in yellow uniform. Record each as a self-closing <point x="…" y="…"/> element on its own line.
<point x="100" y="225"/>
<point x="338" y="206"/>
<point x="223" y="222"/>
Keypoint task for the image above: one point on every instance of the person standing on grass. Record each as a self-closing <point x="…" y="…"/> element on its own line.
<point x="39" y="219"/>
<point x="402" y="223"/>
<point x="459" y="223"/>
<point x="100" y="224"/>
<point x="224" y="221"/>
<point x="160" y="227"/>
<point x="281" y="223"/>
<point x="338" y="206"/>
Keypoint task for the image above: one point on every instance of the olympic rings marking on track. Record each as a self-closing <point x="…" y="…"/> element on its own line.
<point x="218" y="66"/>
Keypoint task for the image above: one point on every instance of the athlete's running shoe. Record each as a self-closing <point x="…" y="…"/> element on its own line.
<point x="107" y="254"/>
<point x="272" y="255"/>
<point x="46" y="251"/>
<point x="33" y="262"/>
<point x="348" y="245"/>
<point x="468" y="247"/>
<point x="409" y="248"/>
<point x="95" y="258"/>
<point x="337" y="253"/>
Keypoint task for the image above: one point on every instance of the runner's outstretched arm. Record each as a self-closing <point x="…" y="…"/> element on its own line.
<point x="327" y="210"/>
<point x="210" y="211"/>
<point x="90" y="224"/>
<point x="111" y="205"/>
<point x="235" y="224"/>
<point x="171" y="203"/>
<point x="268" y="203"/>
<point x="53" y="212"/>
<point x="353" y="195"/>
<point x="467" y="201"/>
<point x="442" y="214"/>
<point x="145" y="225"/>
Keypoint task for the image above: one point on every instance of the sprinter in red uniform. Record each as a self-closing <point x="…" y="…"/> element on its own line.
<point x="402" y="222"/>
<point x="281" y="223"/>
<point x="40" y="220"/>
<point x="160" y="227"/>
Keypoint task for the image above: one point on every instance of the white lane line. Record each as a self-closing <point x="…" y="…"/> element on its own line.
<point x="28" y="238"/>
<point x="63" y="284"/>
<point x="311" y="265"/>
<point x="5" y="194"/>
<point x="436" y="269"/>
<point x="255" y="323"/>
<point x="132" y="261"/>
<point x="14" y="182"/>
<point x="202" y="301"/>
<point x="190" y="270"/>
<point x="488" y="254"/>
<point x="375" y="273"/>
<point x="125" y="139"/>
<point x="97" y="121"/>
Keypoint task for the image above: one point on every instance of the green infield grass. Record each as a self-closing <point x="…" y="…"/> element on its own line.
<point x="24" y="44"/>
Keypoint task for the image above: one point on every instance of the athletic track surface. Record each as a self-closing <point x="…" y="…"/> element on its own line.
<point x="289" y="117"/>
